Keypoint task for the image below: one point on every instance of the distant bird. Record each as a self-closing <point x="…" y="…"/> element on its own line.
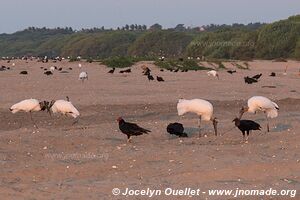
<point x="29" y="105"/>
<point x="131" y="129"/>
<point x="42" y="67"/>
<point x="202" y="108"/>
<point x="246" y="126"/>
<point x="249" y="80"/>
<point x="161" y="70"/>
<point x="285" y="71"/>
<point x="144" y="67"/>
<point x="83" y="76"/>
<point x="3" y="68"/>
<point x="260" y="103"/>
<point x="273" y="74"/>
<point x="111" y="71"/>
<point x="213" y="73"/>
<point x="176" y="70"/>
<point x="150" y="77"/>
<point x="257" y="76"/>
<point x="60" y="69"/>
<point x="52" y="69"/>
<point x="176" y="129"/>
<point x="79" y="65"/>
<point x="64" y="107"/>
<point x="159" y="79"/>
<point x="70" y="68"/>
<point x="146" y="71"/>
<point x="48" y="73"/>
<point x="231" y="71"/>
<point x="125" y="71"/>
<point x="24" y="72"/>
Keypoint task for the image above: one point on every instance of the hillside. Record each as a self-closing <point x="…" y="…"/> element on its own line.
<point x="236" y="41"/>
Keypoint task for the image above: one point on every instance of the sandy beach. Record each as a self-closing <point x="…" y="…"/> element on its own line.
<point x="87" y="160"/>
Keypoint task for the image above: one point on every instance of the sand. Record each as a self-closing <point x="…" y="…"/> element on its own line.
<point x="87" y="160"/>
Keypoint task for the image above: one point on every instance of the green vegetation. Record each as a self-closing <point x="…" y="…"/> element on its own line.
<point x="154" y="43"/>
<point x="117" y="47"/>
<point x="180" y="64"/>
<point x="119" y="62"/>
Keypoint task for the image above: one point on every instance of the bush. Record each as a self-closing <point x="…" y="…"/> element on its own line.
<point x="89" y="60"/>
<point x="180" y="64"/>
<point x="73" y="59"/>
<point x="119" y="62"/>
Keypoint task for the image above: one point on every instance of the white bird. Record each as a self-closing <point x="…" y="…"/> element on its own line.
<point x="83" y="76"/>
<point x="52" y="69"/>
<point x="13" y="64"/>
<point x="202" y="108"/>
<point x="259" y="103"/>
<point x="64" y="107"/>
<point x="29" y="105"/>
<point x="79" y="65"/>
<point x="213" y="73"/>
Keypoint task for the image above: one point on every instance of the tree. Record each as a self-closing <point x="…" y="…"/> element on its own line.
<point x="179" y="27"/>
<point x="155" y="27"/>
<point x="132" y="27"/>
<point x="126" y="27"/>
<point x="144" y="27"/>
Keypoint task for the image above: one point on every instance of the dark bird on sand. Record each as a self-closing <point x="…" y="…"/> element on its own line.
<point x="250" y="80"/>
<point x="59" y="69"/>
<point x="131" y="129"/>
<point x="161" y="70"/>
<point x="159" y="79"/>
<point x="125" y="71"/>
<point x="48" y="73"/>
<point x="273" y="74"/>
<point x="176" y="129"/>
<point x="257" y="76"/>
<point x="70" y="68"/>
<point x="147" y="71"/>
<point x="111" y="71"/>
<point x="24" y="72"/>
<point x="176" y="70"/>
<point x="246" y="126"/>
<point x="150" y="77"/>
<point x="3" y="68"/>
<point x="231" y="71"/>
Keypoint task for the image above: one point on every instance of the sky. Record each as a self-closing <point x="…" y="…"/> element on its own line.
<point x="17" y="15"/>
